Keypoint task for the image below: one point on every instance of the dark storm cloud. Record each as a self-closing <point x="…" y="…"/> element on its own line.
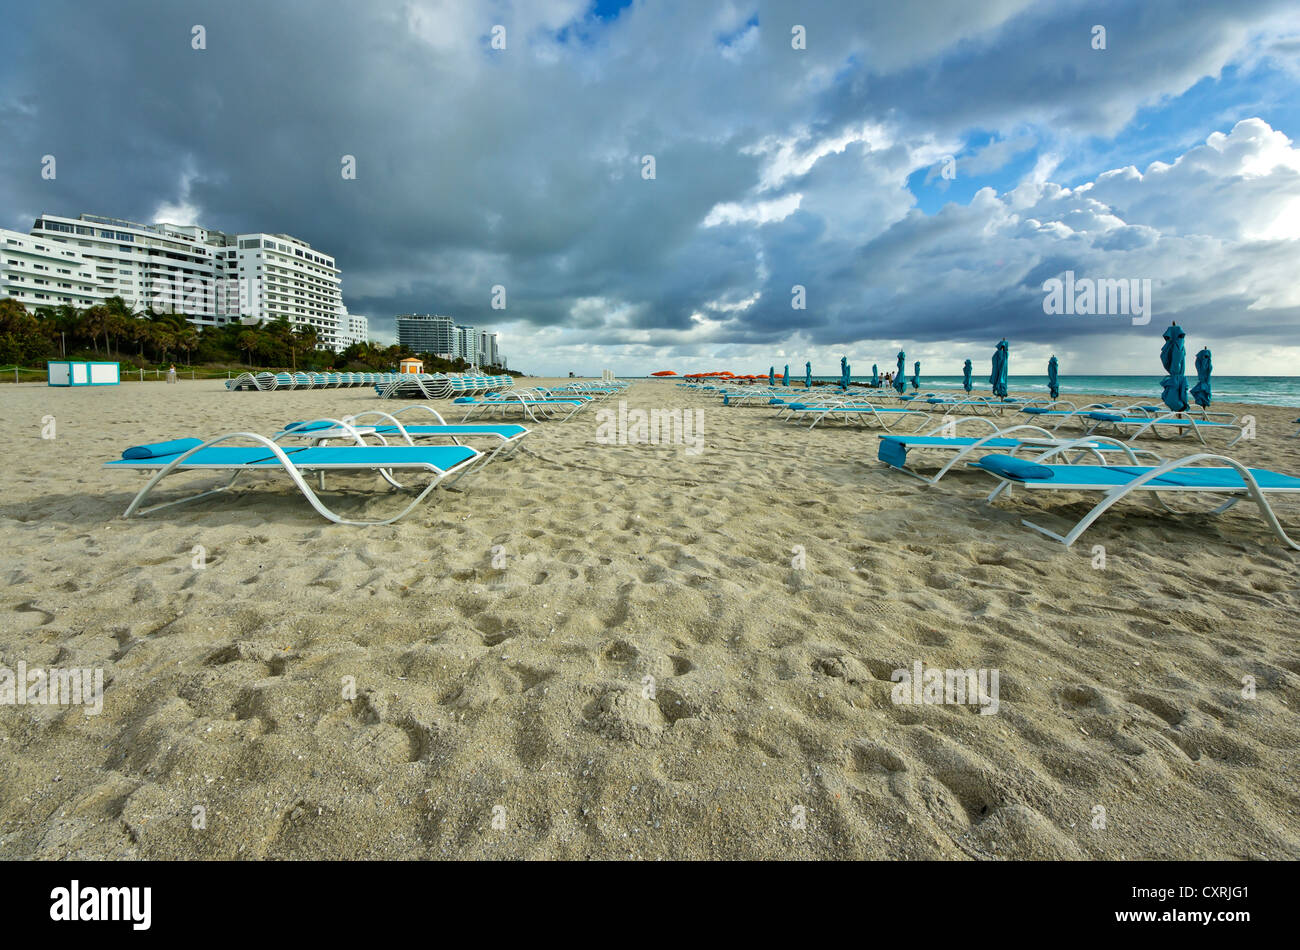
<point x="523" y="167"/>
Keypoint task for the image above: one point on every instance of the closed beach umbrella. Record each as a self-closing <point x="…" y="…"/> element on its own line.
<point x="916" y="375"/>
<point x="1053" y="386"/>
<point x="785" y="377"/>
<point x="771" y="375"/>
<point x="899" y="380"/>
<point x="807" y="375"/>
<point x="1173" y="356"/>
<point x="846" y="375"/>
<point x="875" y="375"/>
<point x="1202" y="392"/>
<point x="965" y="376"/>
<point x="998" y="378"/>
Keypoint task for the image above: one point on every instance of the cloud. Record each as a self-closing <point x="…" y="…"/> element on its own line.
<point x="775" y="166"/>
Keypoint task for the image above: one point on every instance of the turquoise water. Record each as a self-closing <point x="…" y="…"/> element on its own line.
<point x="1266" y="390"/>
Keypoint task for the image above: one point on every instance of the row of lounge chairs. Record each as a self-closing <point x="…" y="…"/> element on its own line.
<point x="440" y="385"/>
<point x="375" y="443"/>
<point x="539" y="403"/>
<point x="1033" y="458"/>
<point x="1035" y="455"/>
<point x="427" y="385"/>
<point x="268" y="382"/>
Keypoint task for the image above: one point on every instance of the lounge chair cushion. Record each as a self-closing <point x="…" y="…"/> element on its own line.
<point x="892" y="452"/>
<point x="160" y="449"/>
<point x="1106" y="416"/>
<point x="1034" y="410"/>
<point x="1010" y="467"/>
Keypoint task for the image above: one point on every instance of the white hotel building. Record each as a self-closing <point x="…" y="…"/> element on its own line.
<point x="212" y="277"/>
<point x="38" y="272"/>
<point x="280" y="276"/>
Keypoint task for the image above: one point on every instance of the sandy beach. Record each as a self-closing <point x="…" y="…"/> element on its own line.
<point x="630" y="651"/>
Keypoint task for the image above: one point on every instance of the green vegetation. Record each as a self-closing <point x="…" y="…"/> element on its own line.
<point x="148" y="340"/>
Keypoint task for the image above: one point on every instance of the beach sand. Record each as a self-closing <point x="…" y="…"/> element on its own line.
<point x="650" y="674"/>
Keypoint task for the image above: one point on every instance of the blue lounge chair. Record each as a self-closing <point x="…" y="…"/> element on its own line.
<point x="861" y="413"/>
<point x="386" y="426"/>
<point x="893" y="449"/>
<point x="1118" y="481"/>
<point x="187" y="455"/>
<point x="530" y="406"/>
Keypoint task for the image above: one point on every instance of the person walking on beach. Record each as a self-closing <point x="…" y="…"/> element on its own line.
<point x="171" y="373"/>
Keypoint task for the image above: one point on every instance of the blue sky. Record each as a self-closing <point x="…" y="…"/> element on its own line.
<point x="776" y="166"/>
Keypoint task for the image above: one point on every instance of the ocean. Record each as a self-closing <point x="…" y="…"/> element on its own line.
<point x="1266" y="390"/>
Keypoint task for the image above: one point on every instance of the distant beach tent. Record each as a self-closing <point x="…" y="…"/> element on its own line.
<point x="1173" y="356"/>
<point x="916" y="375"/>
<point x="1053" y="384"/>
<point x="875" y="375"/>
<point x="899" y="381"/>
<point x="410" y="365"/>
<point x="1202" y="392"/>
<point x="807" y="375"/>
<point x="664" y="372"/>
<point x="785" y="377"/>
<point x="965" y="376"/>
<point x="998" y="379"/>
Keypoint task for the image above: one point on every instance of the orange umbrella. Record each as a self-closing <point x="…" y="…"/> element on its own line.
<point x="664" y="372"/>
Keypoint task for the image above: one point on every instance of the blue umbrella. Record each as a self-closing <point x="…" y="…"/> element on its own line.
<point x="807" y="375"/>
<point x="1053" y="386"/>
<point x="899" y="381"/>
<point x="1202" y="392"/>
<point x="1174" y="359"/>
<point x="999" y="377"/>
<point x="785" y="377"/>
<point x="771" y="375"/>
<point x="916" y="375"/>
<point x="875" y="375"/>
<point x="965" y="376"/>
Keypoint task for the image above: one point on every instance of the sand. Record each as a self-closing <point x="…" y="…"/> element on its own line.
<point x="648" y="675"/>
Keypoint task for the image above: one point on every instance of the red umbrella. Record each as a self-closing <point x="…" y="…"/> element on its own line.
<point x="664" y="372"/>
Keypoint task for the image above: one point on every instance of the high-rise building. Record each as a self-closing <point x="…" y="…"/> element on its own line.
<point x="147" y="265"/>
<point x="42" y="273"/>
<point x="280" y="276"/>
<point x="356" y="329"/>
<point x="211" y="277"/>
<point x="427" y="333"/>
<point x="487" y="348"/>
<point x="466" y="343"/>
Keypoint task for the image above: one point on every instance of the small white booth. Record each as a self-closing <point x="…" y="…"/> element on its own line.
<point x="68" y="373"/>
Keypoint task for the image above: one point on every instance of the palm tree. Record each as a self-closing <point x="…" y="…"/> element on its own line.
<point x="141" y="331"/>
<point x="92" y="323"/>
<point x="304" y="338"/>
<point x="187" y="340"/>
<point x="62" y="320"/>
<point x="118" y="320"/>
<point x="164" y="338"/>
<point x="248" y="343"/>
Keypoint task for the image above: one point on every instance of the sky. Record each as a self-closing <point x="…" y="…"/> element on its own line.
<point x="658" y="185"/>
